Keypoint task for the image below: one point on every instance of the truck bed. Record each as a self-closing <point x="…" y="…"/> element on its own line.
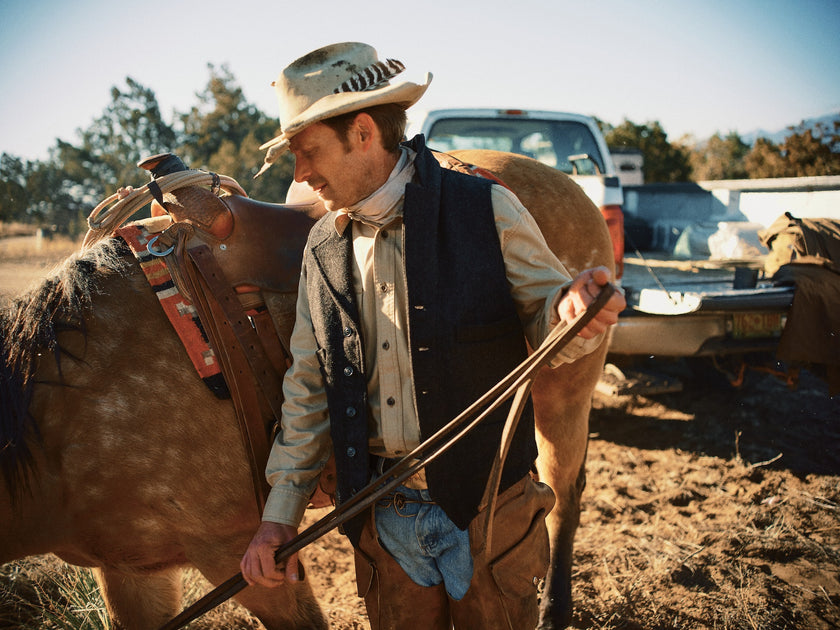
<point x="678" y="307"/>
<point x="657" y="283"/>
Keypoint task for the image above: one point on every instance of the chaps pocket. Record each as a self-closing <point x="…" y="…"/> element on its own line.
<point x="364" y="560"/>
<point x="520" y="547"/>
<point x="365" y="573"/>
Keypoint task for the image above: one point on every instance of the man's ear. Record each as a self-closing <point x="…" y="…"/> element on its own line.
<point x="365" y="129"/>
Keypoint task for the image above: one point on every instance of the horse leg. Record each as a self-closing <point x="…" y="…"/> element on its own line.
<point x="562" y="402"/>
<point x="140" y="601"/>
<point x="556" y="603"/>
<point x="286" y="607"/>
<point x="291" y="607"/>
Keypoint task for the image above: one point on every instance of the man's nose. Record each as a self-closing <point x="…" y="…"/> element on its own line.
<point x="301" y="171"/>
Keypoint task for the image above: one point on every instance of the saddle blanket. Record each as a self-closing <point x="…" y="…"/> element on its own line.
<point x="180" y="311"/>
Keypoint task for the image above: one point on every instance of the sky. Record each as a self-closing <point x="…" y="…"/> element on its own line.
<point x="698" y="68"/>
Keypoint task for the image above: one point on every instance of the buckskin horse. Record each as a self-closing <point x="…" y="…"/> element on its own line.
<point x="117" y="455"/>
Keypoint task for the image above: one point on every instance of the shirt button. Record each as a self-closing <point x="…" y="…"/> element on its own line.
<point x="351" y="452"/>
<point x="383" y="287"/>
<point x="391" y="402"/>
<point x="384" y="234"/>
<point x="348" y="371"/>
<point x="386" y="345"/>
<point x="351" y="412"/>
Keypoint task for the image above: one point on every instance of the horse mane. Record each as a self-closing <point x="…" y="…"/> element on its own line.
<point x="29" y="329"/>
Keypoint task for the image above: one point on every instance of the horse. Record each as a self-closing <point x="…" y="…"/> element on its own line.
<point x="117" y="456"/>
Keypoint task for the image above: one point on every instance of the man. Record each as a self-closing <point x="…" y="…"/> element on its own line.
<point x="418" y="291"/>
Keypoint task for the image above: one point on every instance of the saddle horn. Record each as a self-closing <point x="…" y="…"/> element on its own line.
<point x="162" y="164"/>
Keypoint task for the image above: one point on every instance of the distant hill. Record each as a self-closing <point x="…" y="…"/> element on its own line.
<point x="779" y="135"/>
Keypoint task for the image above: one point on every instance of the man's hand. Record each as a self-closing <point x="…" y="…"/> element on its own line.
<point x="258" y="565"/>
<point x="582" y="292"/>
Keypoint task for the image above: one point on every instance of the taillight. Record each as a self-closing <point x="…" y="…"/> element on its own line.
<point x="615" y="224"/>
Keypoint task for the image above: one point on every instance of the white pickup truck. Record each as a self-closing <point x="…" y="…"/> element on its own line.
<point x="675" y="308"/>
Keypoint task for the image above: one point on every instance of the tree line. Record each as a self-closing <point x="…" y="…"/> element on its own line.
<point x="222" y="133"/>
<point x="806" y="151"/>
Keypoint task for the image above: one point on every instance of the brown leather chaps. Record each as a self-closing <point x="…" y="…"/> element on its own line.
<point x="503" y="590"/>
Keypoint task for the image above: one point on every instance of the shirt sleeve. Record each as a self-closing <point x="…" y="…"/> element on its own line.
<point x="303" y="445"/>
<point x="536" y="276"/>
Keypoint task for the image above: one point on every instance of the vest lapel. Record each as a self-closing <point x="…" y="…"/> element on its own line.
<point x="421" y="217"/>
<point x="331" y="253"/>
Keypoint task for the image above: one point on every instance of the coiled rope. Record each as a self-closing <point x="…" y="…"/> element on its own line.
<point x="116" y="209"/>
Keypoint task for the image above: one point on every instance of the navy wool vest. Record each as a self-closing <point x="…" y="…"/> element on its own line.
<point x="464" y="336"/>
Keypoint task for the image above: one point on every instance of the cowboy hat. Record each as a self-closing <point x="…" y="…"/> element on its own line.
<point x="331" y="81"/>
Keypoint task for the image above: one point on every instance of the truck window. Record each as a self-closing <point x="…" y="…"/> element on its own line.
<point x="550" y="142"/>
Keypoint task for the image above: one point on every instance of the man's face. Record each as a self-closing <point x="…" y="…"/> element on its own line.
<point x="340" y="174"/>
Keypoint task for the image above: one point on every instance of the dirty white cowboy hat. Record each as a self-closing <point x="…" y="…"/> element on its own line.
<point x="331" y="81"/>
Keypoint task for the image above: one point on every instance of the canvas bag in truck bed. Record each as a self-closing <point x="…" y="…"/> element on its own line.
<point x="791" y="239"/>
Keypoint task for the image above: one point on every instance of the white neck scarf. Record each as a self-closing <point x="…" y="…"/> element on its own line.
<point x="383" y="204"/>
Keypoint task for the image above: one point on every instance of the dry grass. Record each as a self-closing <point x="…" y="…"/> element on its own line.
<point x="25" y="258"/>
<point x="20" y="245"/>
<point x="16" y="229"/>
<point x="44" y="592"/>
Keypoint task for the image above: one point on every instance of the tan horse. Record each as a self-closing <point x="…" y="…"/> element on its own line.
<point x="116" y="455"/>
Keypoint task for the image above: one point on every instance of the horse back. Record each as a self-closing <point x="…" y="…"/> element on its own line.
<point x="571" y="224"/>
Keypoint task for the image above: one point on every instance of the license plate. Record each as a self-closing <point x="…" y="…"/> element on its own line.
<point x="749" y="325"/>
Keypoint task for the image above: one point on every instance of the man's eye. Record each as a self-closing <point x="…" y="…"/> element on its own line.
<point x="303" y="152"/>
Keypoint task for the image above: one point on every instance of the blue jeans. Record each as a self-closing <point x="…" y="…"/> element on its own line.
<point x="424" y="541"/>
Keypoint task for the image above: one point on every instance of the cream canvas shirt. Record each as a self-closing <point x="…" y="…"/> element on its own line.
<point x="303" y="445"/>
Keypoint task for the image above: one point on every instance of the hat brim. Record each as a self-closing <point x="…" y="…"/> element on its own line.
<point x="404" y="94"/>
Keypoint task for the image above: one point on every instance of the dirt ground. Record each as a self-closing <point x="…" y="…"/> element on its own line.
<point x="712" y="507"/>
<point x="708" y="508"/>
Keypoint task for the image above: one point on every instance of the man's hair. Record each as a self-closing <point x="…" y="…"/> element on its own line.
<point x="390" y="118"/>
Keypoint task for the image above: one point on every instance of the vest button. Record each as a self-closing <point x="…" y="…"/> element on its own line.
<point x="391" y="402"/>
<point x="386" y="345"/>
<point x="351" y="412"/>
<point x="348" y="332"/>
<point x="348" y="371"/>
<point x="351" y="452"/>
<point x="383" y="287"/>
